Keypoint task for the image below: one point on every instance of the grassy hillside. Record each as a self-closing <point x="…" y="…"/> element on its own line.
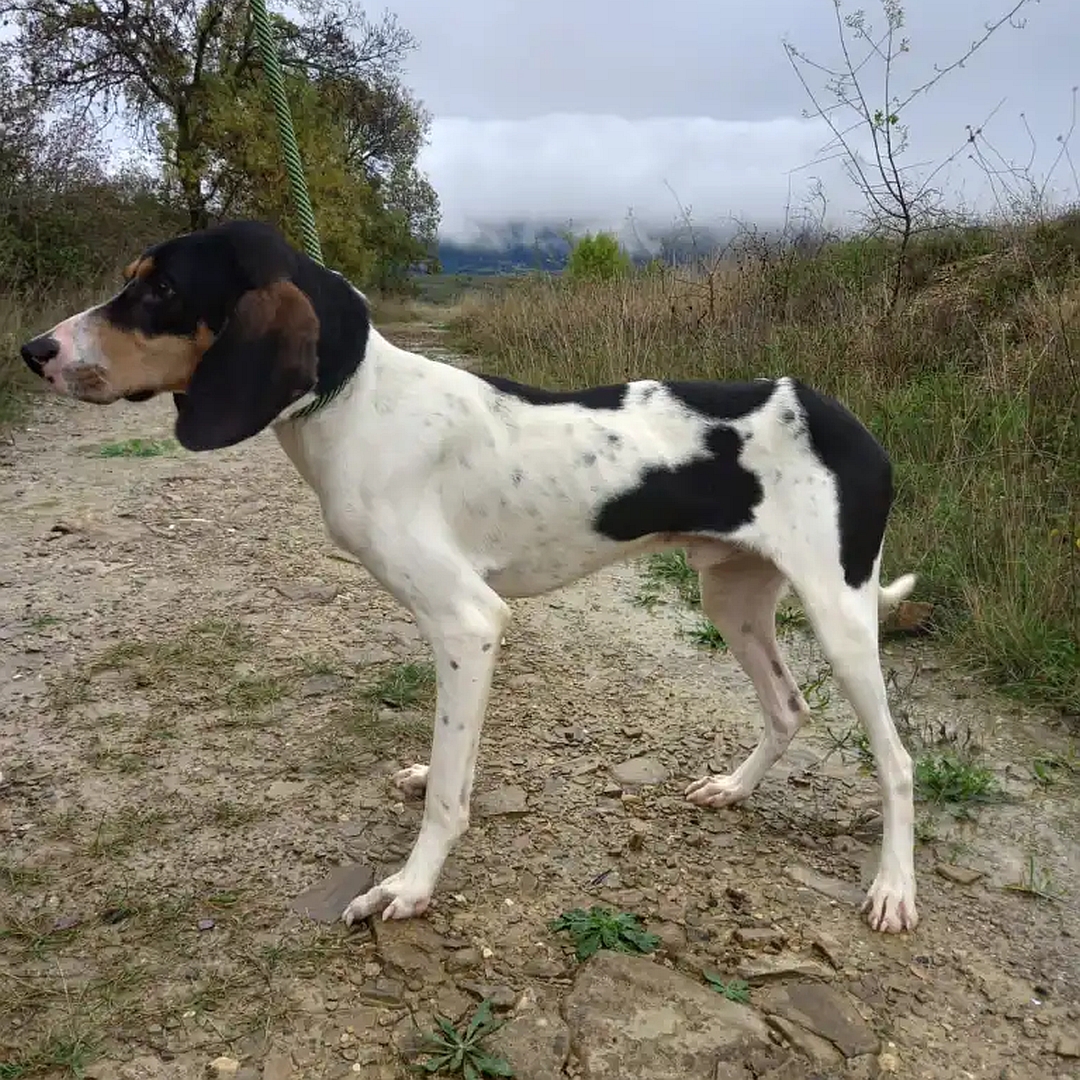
<point x="972" y="383"/>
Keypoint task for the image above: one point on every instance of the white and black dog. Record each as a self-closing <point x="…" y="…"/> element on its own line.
<point x="456" y="489"/>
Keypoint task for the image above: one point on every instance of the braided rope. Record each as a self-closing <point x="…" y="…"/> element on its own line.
<point x="294" y="165"/>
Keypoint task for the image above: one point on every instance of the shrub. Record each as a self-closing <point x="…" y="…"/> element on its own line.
<point x="597" y="258"/>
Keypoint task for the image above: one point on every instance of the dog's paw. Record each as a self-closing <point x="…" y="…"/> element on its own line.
<point x="890" y="905"/>
<point x="411" y="781"/>
<point x="395" y="897"/>
<point x="716" y="791"/>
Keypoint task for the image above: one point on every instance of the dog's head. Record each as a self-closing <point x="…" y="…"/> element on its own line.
<point x="226" y="319"/>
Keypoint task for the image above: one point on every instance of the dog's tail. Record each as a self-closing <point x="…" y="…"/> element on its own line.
<point x="889" y="596"/>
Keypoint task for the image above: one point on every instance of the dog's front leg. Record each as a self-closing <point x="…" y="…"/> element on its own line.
<point x="465" y="633"/>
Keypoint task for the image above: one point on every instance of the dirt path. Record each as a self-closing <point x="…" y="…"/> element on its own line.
<point x="201" y="704"/>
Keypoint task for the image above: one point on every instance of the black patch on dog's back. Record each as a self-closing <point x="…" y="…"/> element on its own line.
<point x="712" y="494"/>
<point x="863" y="479"/>
<point x="722" y="400"/>
<point x="592" y="397"/>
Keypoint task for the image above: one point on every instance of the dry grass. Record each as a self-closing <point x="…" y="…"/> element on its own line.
<point x="133" y="949"/>
<point x="973" y="386"/>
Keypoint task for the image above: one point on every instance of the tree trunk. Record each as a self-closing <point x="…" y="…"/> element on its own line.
<point x="190" y="181"/>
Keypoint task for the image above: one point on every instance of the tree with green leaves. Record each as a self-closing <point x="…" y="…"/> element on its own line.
<point x="597" y="258"/>
<point x="184" y="77"/>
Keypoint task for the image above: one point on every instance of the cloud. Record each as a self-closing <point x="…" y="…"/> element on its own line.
<point x="591" y="171"/>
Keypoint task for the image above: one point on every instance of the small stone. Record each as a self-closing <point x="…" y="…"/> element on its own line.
<point x="509" y="800"/>
<point x="672" y="937"/>
<point x="542" y="968"/>
<point x="277" y="1066"/>
<point x="1068" y="1046"/>
<point x="318" y="685"/>
<point x="753" y="937"/>
<point x="383" y="991"/>
<point x="326" y="901"/>
<point x="825" y="1012"/>
<point x="827" y="886"/>
<point x="888" y="1062"/>
<point x="319" y="594"/>
<point x="758" y="970"/>
<point x="501" y="997"/>
<point x="411" y="948"/>
<point x="206" y="924"/>
<point x="820" y="1051"/>
<point x="961" y="875"/>
<point x="66" y="922"/>
<point x="639" y="772"/>
<point x="224" y="1067"/>
<point x="824" y="943"/>
<point x="463" y="960"/>
<point x="536" y="1045"/>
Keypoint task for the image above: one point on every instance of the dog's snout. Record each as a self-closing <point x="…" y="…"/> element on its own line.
<point x="39" y="352"/>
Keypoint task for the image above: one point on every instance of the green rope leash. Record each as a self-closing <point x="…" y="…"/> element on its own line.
<point x="294" y="165"/>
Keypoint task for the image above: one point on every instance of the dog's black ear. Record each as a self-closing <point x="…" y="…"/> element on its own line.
<point x="262" y="361"/>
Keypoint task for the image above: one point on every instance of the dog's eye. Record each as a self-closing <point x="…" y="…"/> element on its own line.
<point x="161" y="289"/>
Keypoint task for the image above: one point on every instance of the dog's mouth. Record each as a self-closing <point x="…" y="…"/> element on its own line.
<point x="140" y="395"/>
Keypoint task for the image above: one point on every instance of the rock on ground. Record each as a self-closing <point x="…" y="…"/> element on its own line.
<point x="630" y="1016"/>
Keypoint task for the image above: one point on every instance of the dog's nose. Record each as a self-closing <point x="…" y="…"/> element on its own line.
<point x="39" y="352"/>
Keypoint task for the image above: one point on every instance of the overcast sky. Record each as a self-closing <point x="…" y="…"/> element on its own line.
<point x="581" y="111"/>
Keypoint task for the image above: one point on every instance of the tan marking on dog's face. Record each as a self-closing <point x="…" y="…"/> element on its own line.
<point x="137" y="362"/>
<point x="139" y="268"/>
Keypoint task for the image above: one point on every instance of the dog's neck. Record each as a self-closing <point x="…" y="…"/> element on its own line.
<point x="344" y="326"/>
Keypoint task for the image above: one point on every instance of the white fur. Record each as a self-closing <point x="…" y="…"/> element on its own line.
<point x="455" y="495"/>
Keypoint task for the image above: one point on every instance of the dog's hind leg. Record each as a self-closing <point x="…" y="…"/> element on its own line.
<point x="739" y="595"/>
<point x="845" y="620"/>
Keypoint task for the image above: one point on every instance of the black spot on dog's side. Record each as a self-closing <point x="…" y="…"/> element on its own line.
<point x="516" y="477"/>
<point x="444" y="719"/>
<point x="778" y="669"/>
<point x="453" y="665"/>
<point x="614" y="439"/>
<point x="788" y="416"/>
<point x="746" y="628"/>
<point x="486" y="646"/>
<point x="588" y="459"/>
<point x="793" y="703"/>
<point x="712" y="494"/>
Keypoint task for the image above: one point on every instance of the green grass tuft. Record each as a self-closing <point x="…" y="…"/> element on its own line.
<point x="404" y="685"/>
<point x="136" y="448"/>
<point x="598" y="928"/>
<point x="460" y="1052"/>
<point x="946" y="778"/>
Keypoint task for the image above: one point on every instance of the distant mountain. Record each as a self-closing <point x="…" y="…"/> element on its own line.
<point x="517" y="247"/>
<point x="508" y="250"/>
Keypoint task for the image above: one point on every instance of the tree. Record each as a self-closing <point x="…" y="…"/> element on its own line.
<point x="597" y="258"/>
<point x="185" y="77"/>
<point x="62" y="218"/>
<point x="901" y="200"/>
